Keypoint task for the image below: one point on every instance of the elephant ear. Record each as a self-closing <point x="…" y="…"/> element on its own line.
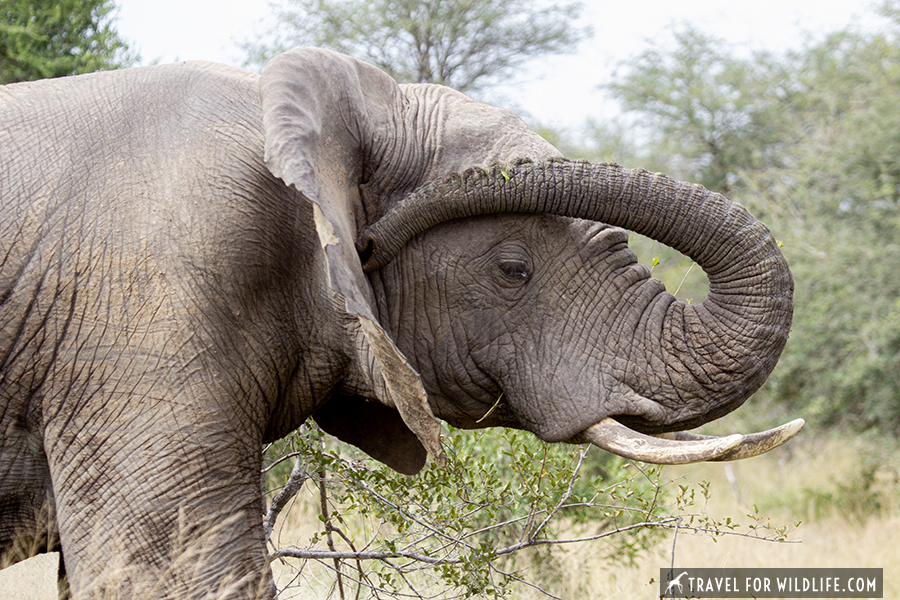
<point x="375" y="429"/>
<point x="317" y="124"/>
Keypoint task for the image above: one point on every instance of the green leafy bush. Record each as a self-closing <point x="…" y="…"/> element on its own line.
<point x="498" y="515"/>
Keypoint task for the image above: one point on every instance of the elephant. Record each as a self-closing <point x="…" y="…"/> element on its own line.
<point x="196" y="259"/>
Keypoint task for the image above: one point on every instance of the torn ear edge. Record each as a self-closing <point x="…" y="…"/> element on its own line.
<point x="404" y="390"/>
<point x="298" y="91"/>
<point x="399" y="428"/>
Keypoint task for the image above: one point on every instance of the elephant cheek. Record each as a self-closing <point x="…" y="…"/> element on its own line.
<point x="558" y="405"/>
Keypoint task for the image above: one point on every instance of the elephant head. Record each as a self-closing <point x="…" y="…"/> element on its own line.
<point x="493" y="285"/>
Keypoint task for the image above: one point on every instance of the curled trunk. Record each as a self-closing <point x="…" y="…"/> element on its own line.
<point x="717" y="353"/>
<point x="702" y="361"/>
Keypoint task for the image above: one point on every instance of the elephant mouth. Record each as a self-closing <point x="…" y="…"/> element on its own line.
<point x="681" y="447"/>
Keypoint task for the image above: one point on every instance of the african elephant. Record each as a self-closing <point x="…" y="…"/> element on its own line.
<point x="195" y="259"/>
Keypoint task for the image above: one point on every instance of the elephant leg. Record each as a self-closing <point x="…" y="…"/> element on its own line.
<point x="27" y="515"/>
<point x="27" y="527"/>
<point x="156" y="508"/>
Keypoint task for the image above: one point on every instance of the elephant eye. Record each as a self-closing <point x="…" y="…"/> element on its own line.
<point x="517" y="270"/>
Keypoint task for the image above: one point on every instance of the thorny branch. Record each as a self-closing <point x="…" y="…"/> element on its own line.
<point x="407" y="539"/>
<point x="668" y="523"/>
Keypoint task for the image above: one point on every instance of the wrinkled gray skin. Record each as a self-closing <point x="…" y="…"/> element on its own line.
<point x="180" y="285"/>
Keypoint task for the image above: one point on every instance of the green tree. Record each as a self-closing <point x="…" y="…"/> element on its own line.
<point x="55" y="38"/>
<point x="465" y="44"/>
<point x="810" y="143"/>
<point x="712" y="112"/>
<point x="837" y="201"/>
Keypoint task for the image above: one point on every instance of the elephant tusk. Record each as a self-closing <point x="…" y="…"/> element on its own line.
<point x="752" y="444"/>
<point x="612" y="436"/>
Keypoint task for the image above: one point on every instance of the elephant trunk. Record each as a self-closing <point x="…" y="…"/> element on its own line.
<point x="716" y="354"/>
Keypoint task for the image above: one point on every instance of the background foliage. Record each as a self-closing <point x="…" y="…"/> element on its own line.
<point x="466" y="44"/>
<point x="54" y="38"/>
<point x="494" y="521"/>
<point x="810" y="142"/>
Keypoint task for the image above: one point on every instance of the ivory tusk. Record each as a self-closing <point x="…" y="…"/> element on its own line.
<point x="752" y="444"/>
<point x="614" y="437"/>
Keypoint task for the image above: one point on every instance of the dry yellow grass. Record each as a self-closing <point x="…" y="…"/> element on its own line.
<point x="832" y="541"/>
<point x="813" y="481"/>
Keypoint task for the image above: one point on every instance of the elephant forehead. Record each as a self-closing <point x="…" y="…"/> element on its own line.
<point x="475" y="235"/>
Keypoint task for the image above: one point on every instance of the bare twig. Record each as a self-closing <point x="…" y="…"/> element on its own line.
<point x="678" y="289"/>
<point x="491" y="409"/>
<point x="280" y="460"/>
<point x="674" y="522"/>
<point x="753" y="535"/>
<point x="323" y="500"/>
<point x="349" y="542"/>
<point x="674" y="538"/>
<point x="291" y="488"/>
<point x="562" y="501"/>
<point x="433" y="560"/>
<point x="312" y="554"/>
<point x="588" y="538"/>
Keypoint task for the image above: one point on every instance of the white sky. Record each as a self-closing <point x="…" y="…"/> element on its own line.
<point x="560" y="91"/>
